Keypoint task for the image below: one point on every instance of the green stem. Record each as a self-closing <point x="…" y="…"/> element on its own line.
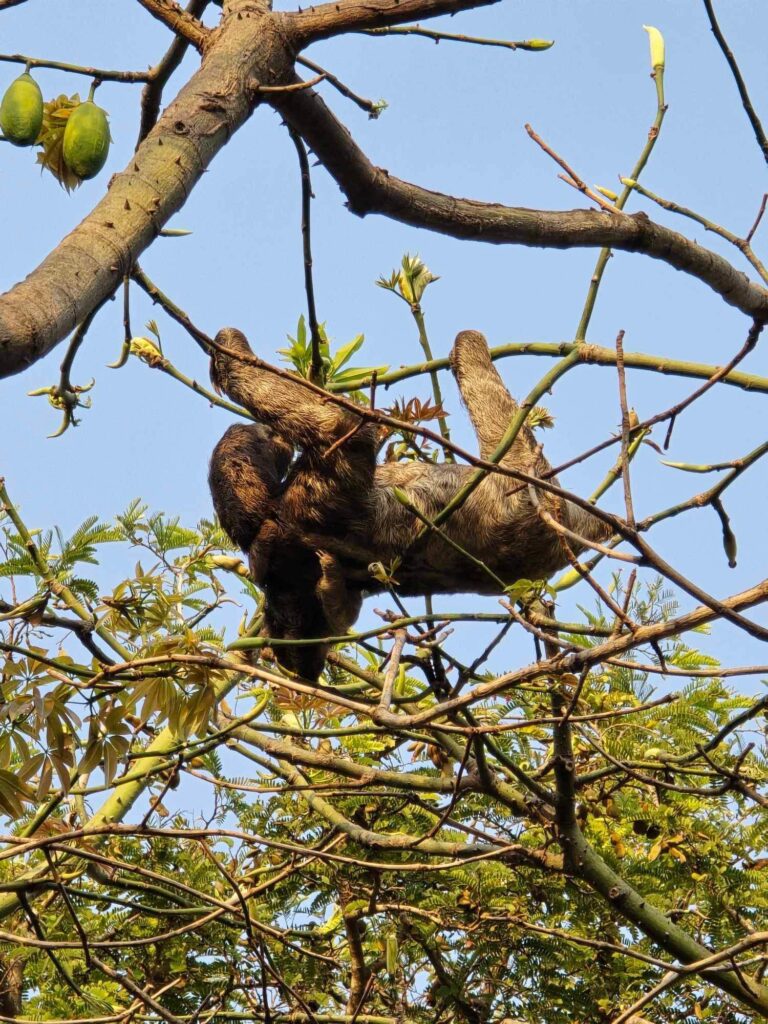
<point x="430" y="525"/>
<point x="437" y="394"/>
<point x="588" y="354"/>
<point x="614" y="472"/>
<point x="167" y="367"/>
<point x="605" y="254"/>
<point x="702" y="500"/>
<point x="247" y="642"/>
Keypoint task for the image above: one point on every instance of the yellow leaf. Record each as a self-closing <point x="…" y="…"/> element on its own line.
<point x="55" y="114"/>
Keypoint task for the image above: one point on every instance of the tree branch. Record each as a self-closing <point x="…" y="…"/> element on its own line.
<point x="158" y="76"/>
<point x="334" y="19"/>
<point x="103" y="74"/>
<point x="371" y="189"/>
<point x="738" y="78"/>
<point x="92" y="261"/>
<point x="178" y="20"/>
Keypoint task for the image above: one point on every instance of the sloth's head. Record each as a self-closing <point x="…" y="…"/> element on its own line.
<point x="223" y="366"/>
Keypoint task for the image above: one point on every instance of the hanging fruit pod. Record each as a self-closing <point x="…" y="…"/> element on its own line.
<point x="86" y="139"/>
<point x="21" y="111"/>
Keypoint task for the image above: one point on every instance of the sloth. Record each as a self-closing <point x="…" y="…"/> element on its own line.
<point x="300" y="492"/>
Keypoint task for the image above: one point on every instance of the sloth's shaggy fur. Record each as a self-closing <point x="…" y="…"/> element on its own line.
<point x="312" y="527"/>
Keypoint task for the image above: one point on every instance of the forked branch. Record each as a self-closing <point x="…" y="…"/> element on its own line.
<point x="371" y="189"/>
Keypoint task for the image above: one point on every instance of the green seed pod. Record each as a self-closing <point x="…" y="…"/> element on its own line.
<point x="86" y="139"/>
<point x="21" y="111"/>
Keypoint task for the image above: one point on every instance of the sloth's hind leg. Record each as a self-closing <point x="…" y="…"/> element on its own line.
<point x="490" y="405"/>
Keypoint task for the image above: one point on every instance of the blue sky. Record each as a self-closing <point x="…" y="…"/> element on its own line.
<point x="454" y="123"/>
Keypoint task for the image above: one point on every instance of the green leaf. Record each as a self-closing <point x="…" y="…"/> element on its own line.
<point x="345" y="353"/>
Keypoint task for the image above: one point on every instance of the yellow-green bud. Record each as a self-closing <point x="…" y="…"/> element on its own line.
<point x="731" y="550"/>
<point x="228" y="562"/>
<point x="628" y="182"/>
<point x="401" y="496"/>
<point x="147" y="350"/>
<point x="538" y="44"/>
<point x="656" y="40"/>
<point x="607" y="192"/>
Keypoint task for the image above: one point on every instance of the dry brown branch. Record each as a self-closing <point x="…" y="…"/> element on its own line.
<point x="738" y="78"/>
<point x="179" y="21"/>
<point x="371" y="189"/>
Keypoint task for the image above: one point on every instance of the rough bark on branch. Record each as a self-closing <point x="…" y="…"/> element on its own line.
<point x="371" y="189"/>
<point x="160" y="74"/>
<point x="182" y="22"/>
<point x="333" y="19"/>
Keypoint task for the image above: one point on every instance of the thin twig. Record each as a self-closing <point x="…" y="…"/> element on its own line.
<point x="293" y="87"/>
<point x="173" y="311"/>
<point x="437" y="37"/>
<point x="316" y="369"/>
<point x="758" y="218"/>
<point x="158" y="76"/>
<point x="356" y="429"/>
<point x="738" y="78"/>
<point x="395" y="654"/>
<point x="605" y="253"/>
<point x="130" y="986"/>
<point x="372" y="109"/>
<point x="65" y="395"/>
<point x="742" y="244"/>
<point x="103" y="74"/>
<point x="625" y="427"/>
<point x="573" y="178"/>
<point x="718" y="374"/>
